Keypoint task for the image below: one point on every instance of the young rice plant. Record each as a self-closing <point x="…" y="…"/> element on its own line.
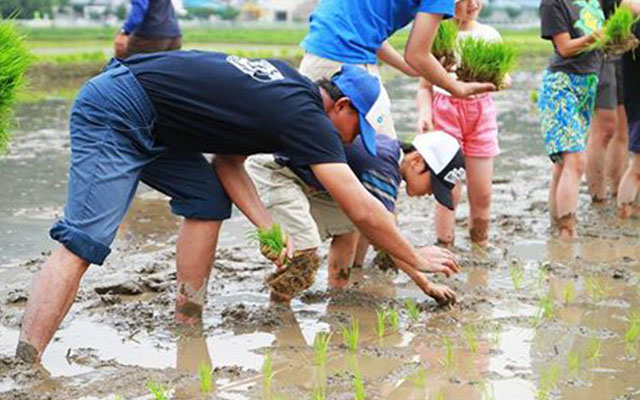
<point x="618" y="32"/>
<point x="394" y="319"/>
<point x="158" y="391"/>
<point x="444" y="44"/>
<point x="358" y="387"/>
<point x="381" y="319"/>
<point x="483" y="61"/>
<point x="267" y="374"/>
<point x="350" y="336"/>
<point x="412" y="309"/>
<point x="271" y="240"/>
<point x="320" y="346"/>
<point x="205" y="376"/>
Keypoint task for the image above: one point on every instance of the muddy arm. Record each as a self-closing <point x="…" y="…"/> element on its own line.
<point x="240" y="188"/>
<point x="377" y="224"/>
<point x="418" y="56"/>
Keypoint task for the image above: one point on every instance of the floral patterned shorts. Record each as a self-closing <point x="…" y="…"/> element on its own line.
<point x="566" y="102"/>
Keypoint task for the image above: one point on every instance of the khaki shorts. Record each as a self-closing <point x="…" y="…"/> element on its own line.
<point x="316" y="68"/>
<point x="310" y="216"/>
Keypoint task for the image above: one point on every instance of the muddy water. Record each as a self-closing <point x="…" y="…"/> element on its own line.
<point x="537" y="318"/>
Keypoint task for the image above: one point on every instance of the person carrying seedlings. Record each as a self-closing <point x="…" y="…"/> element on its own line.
<point x="296" y="199"/>
<point x="152" y="26"/>
<point x="606" y="146"/>
<point x="150" y="117"/>
<point x="357" y="32"/>
<point x="567" y="98"/>
<point x="630" y="184"/>
<point x="473" y="122"/>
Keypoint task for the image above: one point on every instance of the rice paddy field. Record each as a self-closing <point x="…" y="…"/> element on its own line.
<point x="537" y="318"/>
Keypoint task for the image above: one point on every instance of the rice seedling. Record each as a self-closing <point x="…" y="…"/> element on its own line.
<point x="205" y="376"/>
<point x="482" y="61"/>
<point x="267" y="374"/>
<point x="633" y="331"/>
<point x="516" y="273"/>
<point x="319" y="393"/>
<point x="14" y="61"/>
<point x="542" y="277"/>
<point x="412" y="309"/>
<point x="440" y="395"/>
<point x="447" y="361"/>
<point x="471" y="334"/>
<point x="546" y="310"/>
<point x="495" y="335"/>
<point x="117" y="397"/>
<point x="394" y="319"/>
<point x="534" y="96"/>
<point x="320" y="346"/>
<point x="420" y="378"/>
<point x="618" y="32"/>
<point x="488" y="392"/>
<point x="569" y="293"/>
<point x="350" y="336"/>
<point x="594" y="350"/>
<point x="444" y="44"/>
<point x="271" y="240"/>
<point x="548" y="381"/>
<point x="573" y="363"/>
<point x="596" y="289"/>
<point x="158" y="391"/>
<point x="381" y="318"/>
<point x="358" y="386"/>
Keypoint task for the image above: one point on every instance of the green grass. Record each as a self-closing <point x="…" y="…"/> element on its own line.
<point x="381" y="319"/>
<point x="320" y="348"/>
<point x="412" y="308"/>
<point x="444" y="44"/>
<point x="14" y="61"/>
<point x="482" y="61"/>
<point x="158" y="391"/>
<point x="351" y="335"/>
<point x="205" y="376"/>
<point x="534" y="96"/>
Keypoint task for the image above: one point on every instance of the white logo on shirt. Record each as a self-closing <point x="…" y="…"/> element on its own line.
<point x="260" y="70"/>
<point x="455" y="175"/>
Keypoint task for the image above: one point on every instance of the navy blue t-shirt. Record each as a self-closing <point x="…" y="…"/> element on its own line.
<point x="214" y="103"/>
<point x="380" y="174"/>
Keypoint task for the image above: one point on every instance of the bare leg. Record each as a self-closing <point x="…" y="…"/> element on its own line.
<point x="617" y="153"/>
<point x="445" y="221"/>
<point x="556" y="172"/>
<point x="52" y="294"/>
<point x="361" y="251"/>
<point x="567" y="192"/>
<point x="341" y="256"/>
<point x="603" y="129"/>
<point x="196" y="250"/>
<point x="479" y="178"/>
<point x="629" y="187"/>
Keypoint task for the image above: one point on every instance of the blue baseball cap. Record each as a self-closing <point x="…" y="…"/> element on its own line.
<point x="368" y="98"/>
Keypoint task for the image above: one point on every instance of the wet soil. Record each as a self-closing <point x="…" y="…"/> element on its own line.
<point x="530" y="306"/>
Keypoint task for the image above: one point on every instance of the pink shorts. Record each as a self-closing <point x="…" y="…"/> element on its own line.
<point x="474" y="122"/>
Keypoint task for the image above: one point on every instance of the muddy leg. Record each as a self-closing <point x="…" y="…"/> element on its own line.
<point x="361" y="251"/>
<point x="195" y="254"/>
<point x="479" y="178"/>
<point x="52" y="294"/>
<point x="567" y="226"/>
<point x="341" y="256"/>
<point x="629" y="188"/>
<point x="617" y="153"/>
<point x="556" y="172"/>
<point x="568" y="188"/>
<point x="603" y="128"/>
<point x="445" y="221"/>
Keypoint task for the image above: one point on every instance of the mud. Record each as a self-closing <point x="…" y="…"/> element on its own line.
<point x="573" y="300"/>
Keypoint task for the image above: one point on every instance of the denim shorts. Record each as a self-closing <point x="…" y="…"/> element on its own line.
<point x="112" y="149"/>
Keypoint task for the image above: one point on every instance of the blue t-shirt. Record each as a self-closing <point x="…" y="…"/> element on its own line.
<point x="352" y="31"/>
<point x="214" y="103"/>
<point x="152" y="18"/>
<point x="380" y="174"/>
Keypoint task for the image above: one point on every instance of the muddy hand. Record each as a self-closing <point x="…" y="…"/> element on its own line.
<point x="438" y="260"/>
<point x="444" y="295"/>
<point x="448" y="65"/>
<point x="286" y="255"/>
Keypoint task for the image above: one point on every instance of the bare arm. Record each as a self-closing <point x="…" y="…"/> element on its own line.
<point x="240" y="188"/>
<point x="634" y="4"/>
<point x="568" y="47"/>
<point x="424" y="102"/>
<point x="418" y="56"/>
<point x="376" y="223"/>
<point x="389" y="55"/>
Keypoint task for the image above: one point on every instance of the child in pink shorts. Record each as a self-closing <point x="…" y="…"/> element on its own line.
<point x="473" y="121"/>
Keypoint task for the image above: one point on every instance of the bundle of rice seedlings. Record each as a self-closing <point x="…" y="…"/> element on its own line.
<point x="14" y="60"/>
<point x="618" y="32"/>
<point x="482" y="61"/>
<point x="444" y="44"/>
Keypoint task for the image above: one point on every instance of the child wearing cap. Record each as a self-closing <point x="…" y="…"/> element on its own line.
<point x="629" y="188"/>
<point x="566" y="100"/>
<point x="473" y="122"/>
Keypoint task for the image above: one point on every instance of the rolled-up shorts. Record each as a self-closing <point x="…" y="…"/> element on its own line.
<point x="610" y="90"/>
<point x="473" y="122"/>
<point x="112" y="149"/>
<point x="316" y="68"/>
<point x="309" y="215"/>
<point x="565" y="105"/>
